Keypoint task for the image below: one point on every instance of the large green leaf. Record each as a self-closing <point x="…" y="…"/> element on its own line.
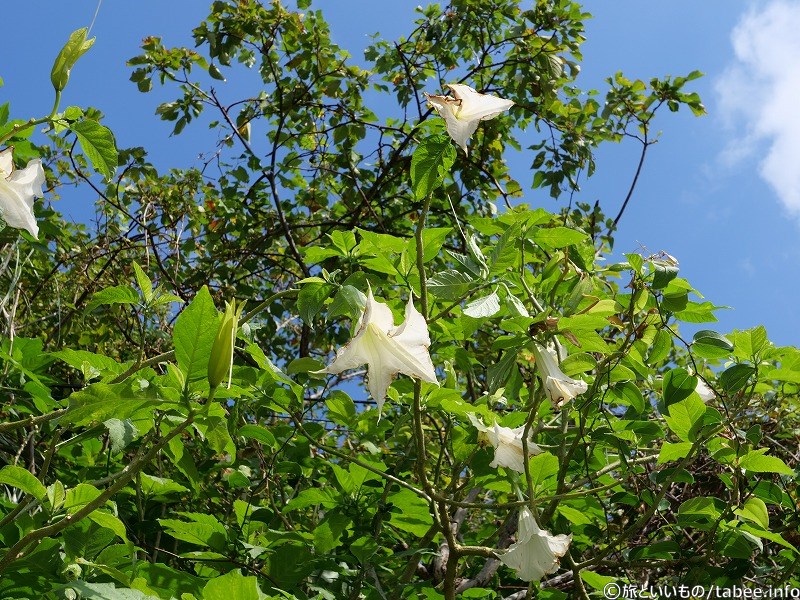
<point x="233" y="586"/>
<point x="97" y="142"/>
<point x="757" y="462"/>
<point x="23" y="479"/>
<point x="193" y="335"/>
<point x="102" y="401"/>
<point x="430" y="164"/>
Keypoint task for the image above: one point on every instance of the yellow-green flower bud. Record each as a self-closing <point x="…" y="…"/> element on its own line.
<point x="75" y="47"/>
<point x="220" y="363"/>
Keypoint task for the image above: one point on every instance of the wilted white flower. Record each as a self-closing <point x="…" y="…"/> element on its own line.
<point x="385" y="349"/>
<point x="705" y="392"/>
<point x="507" y="445"/>
<point x="18" y="188"/>
<point x="468" y="108"/>
<point x="536" y="553"/>
<point x="560" y="388"/>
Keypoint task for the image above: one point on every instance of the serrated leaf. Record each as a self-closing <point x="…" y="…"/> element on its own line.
<point x="120" y="433"/>
<point x="311" y="298"/>
<point x="558" y="237"/>
<point x="450" y="284"/>
<point x="116" y="294"/>
<point x="670" y="451"/>
<point x="97" y="143"/>
<point x="757" y="462"/>
<point x="143" y="281"/>
<point x="483" y="307"/>
<point x="430" y="164"/>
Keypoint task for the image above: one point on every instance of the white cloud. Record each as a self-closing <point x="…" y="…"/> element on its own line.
<point x="759" y="96"/>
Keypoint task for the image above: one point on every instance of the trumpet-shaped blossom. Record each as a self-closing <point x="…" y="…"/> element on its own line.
<point x="507" y="443"/>
<point x="387" y="350"/>
<point x="18" y="188"/>
<point x="705" y="392"/>
<point x="536" y="552"/>
<point x="560" y="388"/>
<point x="466" y="110"/>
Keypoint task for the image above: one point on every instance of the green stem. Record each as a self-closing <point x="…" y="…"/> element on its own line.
<point x="22" y="126"/>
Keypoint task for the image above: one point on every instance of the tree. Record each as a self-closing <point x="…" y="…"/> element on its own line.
<point x="566" y="417"/>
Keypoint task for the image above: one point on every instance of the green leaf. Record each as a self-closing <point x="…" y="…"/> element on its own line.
<point x="663" y="273"/>
<point x="757" y="462"/>
<point x="701" y="512"/>
<point x="558" y="237"/>
<point x="109" y="521"/>
<point x="450" y="285"/>
<point x="364" y="548"/>
<point x="670" y="452"/>
<point x="678" y="385"/>
<point x="116" y="294"/>
<point x="23" y="479"/>
<point x="90" y="364"/>
<point x="193" y="335"/>
<point x="311" y="298"/>
<point x="120" y="433"/>
<point x="710" y="344"/>
<point x="504" y="253"/>
<point x="203" y="530"/>
<point x="486" y="306"/>
<point x="233" y="586"/>
<point x="348" y="301"/>
<point x="660" y="347"/>
<point x="755" y="511"/>
<point x="430" y="164"/>
<point x="258" y="433"/>
<point x="409" y="513"/>
<point x="79" y="496"/>
<point x="341" y="408"/>
<point x="433" y="239"/>
<point x="542" y="466"/>
<point x="768" y="535"/>
<point x="145" y="285"/>
<point x="215" y="73"/>
<point x="153" y="486"/>
<point x="328" y="532"/>
<point x="751" y="343"/>
<point x="101" y="401"/>
<point x="97" y="143"/>
<point x="580" y="362"/>
<point x="107" y="591"/>
<point x="499" y="373"/>
<point x="685" y="417"/>
<point x="515" y="306"/>
<point x="736" y="377"/>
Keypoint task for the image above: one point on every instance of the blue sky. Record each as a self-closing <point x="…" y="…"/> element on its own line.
<point x="721" y="193"/>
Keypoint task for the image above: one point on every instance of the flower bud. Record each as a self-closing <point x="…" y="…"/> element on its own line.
<point x="220" y="363"/>
<point x="76" y="46"/>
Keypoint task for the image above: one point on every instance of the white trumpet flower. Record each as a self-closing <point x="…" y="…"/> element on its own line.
<point x="18" y="188"/>
<point x="560" y="388"/>
<point x="507" y="445"/>
<point x="466" y="110"/>
<point x="387" y="350"/>
<point x="702" y="390"/>
<point x="536" y="552"/>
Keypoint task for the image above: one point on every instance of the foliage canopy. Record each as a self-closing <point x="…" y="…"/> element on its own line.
<point x="138" y="464"/>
